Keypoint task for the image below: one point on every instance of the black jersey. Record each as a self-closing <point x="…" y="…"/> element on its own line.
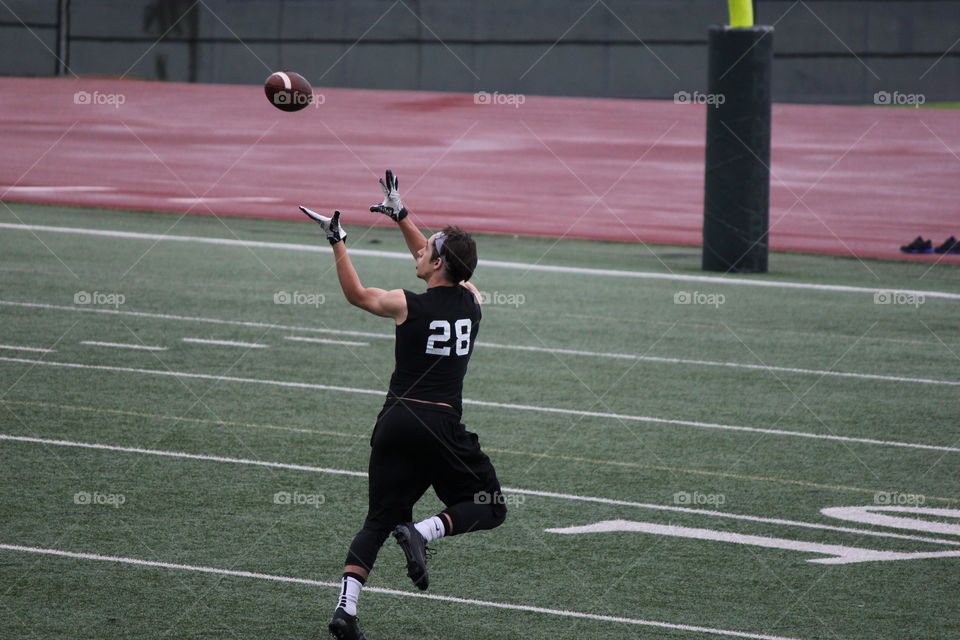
<point x="434" y="345"/>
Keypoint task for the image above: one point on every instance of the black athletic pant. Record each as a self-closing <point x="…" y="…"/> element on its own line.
<point x="416" y="445"/>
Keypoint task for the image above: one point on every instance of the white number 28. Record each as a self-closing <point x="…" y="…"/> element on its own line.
<point x="442" y="336"/>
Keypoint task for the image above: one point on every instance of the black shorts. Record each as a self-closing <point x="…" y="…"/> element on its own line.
<point x="415" y="446"/>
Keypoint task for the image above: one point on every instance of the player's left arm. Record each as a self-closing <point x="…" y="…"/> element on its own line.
<point x="380" y="302"/>
<point x="393" y="208"/>
<point x="476" y="292"/>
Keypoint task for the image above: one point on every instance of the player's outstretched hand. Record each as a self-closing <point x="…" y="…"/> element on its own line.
<point x="391" y="205"/>
<point x="331" y="226"/>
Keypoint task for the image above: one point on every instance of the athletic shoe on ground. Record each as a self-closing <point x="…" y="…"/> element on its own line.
<point x="918" y="246"/>
<point x="343" y="626"/>
<point x="415" y="549"/>
<point x="950" y="245"/>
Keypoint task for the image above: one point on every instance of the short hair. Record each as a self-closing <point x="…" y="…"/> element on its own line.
<point x="459" y="253"/>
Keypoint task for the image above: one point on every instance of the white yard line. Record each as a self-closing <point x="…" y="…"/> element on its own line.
<point x="121" y="345"/>
<point x="13" y="347"/>
<point x="518" y="266"/>
<point x="530" y="492"/>
<point x="170" y="316"/>
<point x="392" y="592"/>
<point x="56" y="188"/>
<point x="715" y="363"/>
<point x="493" y="345"/>
<point x="348" y="343"/>
<point x="502" y="405"/>
<point x="178" y="454"/>
<point x="226" y="343"/>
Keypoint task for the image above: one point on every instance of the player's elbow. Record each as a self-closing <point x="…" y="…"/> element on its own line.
<point x="359" y="301"/>
<point x="356" y="296"/>
<point x="363" y="299"/>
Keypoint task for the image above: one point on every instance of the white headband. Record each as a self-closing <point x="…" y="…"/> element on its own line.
<point x="438" y="243"/>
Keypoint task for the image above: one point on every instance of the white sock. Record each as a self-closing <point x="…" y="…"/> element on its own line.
<point x="349" y="594"/>
<point x="431" y="528"/>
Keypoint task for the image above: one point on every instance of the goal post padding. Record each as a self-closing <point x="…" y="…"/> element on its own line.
<point x="737" y="172"/>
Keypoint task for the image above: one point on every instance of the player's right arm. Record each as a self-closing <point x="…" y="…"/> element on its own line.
<point x="380" y="302"/>
<point x="393" y="208"/>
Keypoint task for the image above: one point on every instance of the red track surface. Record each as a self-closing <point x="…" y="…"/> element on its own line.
<point x="846" y="180"/>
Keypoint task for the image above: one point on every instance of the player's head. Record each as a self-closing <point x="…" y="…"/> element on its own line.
<point x="454" y="252"/>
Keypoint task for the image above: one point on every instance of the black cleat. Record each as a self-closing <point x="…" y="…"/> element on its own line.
<point x="950" y="245"/>
<point x="343" y="626"/>
<point x="919" y="245"/>
<point x="415" y="549"/>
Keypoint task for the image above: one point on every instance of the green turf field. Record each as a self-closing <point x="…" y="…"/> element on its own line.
<point x="941" y="105"/>
<point x="629" y="407"/>
<point x="926" y="105"/>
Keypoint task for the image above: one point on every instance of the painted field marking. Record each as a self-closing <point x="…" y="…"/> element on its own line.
<point x="348" y="343"/>
<point x="178" y="454"/>
<point x="520" y="266"/>
<point x="729" y="516"/>
<point x="226" y="343"/>
<point x="55" y="188"/>
<point x="121" y="345"/>
<point x="517" y="452"/>
<point x="222" y="199"/>
<point x="392" y="592"/>
<point x="279" y="427"/>
<point x="218" y="321"/>
<point x="714" y="363"/>
<point x="836" y="554"/>
<point x="529" y="492"/>
<point x="500" y="405"/>
<point x="876" y="515"/>
<point x="13" y="347"/>
<point x="576" y="352"/>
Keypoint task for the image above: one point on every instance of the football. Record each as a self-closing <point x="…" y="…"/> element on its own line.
<point x="288" y="91"/>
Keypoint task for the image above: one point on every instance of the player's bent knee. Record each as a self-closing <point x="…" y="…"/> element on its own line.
<point x="499" y="514"/>
<point x="365" y="546"/>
